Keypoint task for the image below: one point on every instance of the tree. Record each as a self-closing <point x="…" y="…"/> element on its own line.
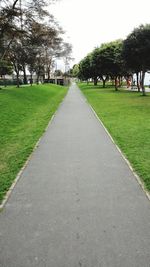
<point x="136" y="51"/>
<point x="8" y="26"/>
<point x="106" y="61"/>
<point x="98" y="63"/>
<point x="13" y="18"/>
<point x="30" y="28"/>
<point x="58" y="73"/>
<point x="43" y="43"/>
<point x="111" y="60"/>
<point x="75" y="70"/>
<point x="85" y="68"/>
<point x="103" y="62"/>
<point x="15" y="56"/>
<point x="5" y="68"/>
<point x="66" y="54"/>
<point x="95" y="65"/>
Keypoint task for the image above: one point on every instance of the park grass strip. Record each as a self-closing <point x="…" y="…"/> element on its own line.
<point x="140" y="182"/>
<point x="8" y="193"/>
<point x="43" y="102"/>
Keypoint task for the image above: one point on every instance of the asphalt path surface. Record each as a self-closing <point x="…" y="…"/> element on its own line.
<point x="77" y="203"/>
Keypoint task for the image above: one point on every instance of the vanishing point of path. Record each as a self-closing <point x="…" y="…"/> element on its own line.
<point x="77" y="203"/>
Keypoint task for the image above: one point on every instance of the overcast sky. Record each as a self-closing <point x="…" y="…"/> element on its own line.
<point x="88" y="23"/>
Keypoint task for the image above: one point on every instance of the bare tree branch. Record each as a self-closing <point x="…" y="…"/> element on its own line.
<point x="14" y="4"/>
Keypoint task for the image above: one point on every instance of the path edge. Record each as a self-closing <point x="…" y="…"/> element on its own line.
<point x="137" y="177"/>
<point x="16" y="180"/>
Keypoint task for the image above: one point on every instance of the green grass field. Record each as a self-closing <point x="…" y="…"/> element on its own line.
<point x="24" y="114"/>
<point x="126" y="115"/>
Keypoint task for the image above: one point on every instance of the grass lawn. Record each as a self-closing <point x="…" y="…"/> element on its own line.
<point x="126" y="115"/>
<point x="24" y="114"/>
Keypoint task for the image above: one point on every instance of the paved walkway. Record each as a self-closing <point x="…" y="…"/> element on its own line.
<point x="77" y="203"/>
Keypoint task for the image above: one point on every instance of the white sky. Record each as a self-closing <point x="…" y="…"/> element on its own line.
<point x="88" y="23"/>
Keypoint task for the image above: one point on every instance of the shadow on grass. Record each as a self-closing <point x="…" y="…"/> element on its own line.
<point x="92" y="86"/>
<point x="110" y="89"/>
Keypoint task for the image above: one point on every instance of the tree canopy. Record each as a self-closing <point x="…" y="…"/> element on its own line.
<point x="104" y="61"/>
<point x="30" y="37"/>
<point x="120" y="58"/>
<point x="136" y="51"/>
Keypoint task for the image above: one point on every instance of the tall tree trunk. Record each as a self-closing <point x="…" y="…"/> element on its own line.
<point x="116" y="84"/>
<point x="142" y="82"/>
<point x="31" y="78"/>
<point x="95" y="81"/>
<point x="18" y="85"/>
<point x="49" y="71"/>
<point x="120" y="81"/>
<point x="24" y="75"/>
<point x="137" y="81"/>
<point x="37" y="81"/>
<point x="16" y="68"/>
<point x="5" y="85"/>
<point x="140" y="73"/>
<point x="104" y="82"/>
<point x="48" y="75"/>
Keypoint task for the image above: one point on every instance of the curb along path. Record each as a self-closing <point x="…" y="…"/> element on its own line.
<point x="77" y="203"/>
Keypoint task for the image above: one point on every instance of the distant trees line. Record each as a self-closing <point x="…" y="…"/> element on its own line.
<point x="118" y="59"/>
<point x="30" y="39"/>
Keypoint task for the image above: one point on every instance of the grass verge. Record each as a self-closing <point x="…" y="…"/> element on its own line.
<point x="24" y="115"/>
<point x="126" y="115"/>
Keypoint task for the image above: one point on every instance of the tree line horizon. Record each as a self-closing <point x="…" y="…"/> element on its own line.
<point x="118" y="59"/>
